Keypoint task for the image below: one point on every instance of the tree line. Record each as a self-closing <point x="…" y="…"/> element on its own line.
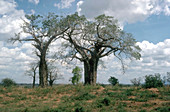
<point x="85" y="40"/>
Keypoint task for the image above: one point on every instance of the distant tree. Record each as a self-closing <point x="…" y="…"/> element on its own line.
<point x="136" y="81"/>
<point x="153" y="81"/>
<point x="168" y="77"/>
<point x="32" y="72"/>
<point x="113" y="80"/>
<point x="89" y="41"/>
<point x="7" y="82"/>
<point x="42" y="32"/>
<point x="53" y="73"/>
<point x="77" y="74"/>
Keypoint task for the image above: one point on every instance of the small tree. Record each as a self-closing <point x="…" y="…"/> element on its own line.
<point x="77" y="72"/>
<point x="153" y="81"/>
<point x="113" y="80"/>
<point x="168" y="77"/>
<point x="7" y="82"/>
<point x="136" y="81"/>
<point x="53" y="73"/>
<point x="32" y="72"/>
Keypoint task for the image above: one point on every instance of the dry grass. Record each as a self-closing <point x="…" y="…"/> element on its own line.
<point x="68" y="98"/>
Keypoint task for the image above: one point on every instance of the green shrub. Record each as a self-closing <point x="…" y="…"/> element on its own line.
<point x="162" y="109"/>
<point x="113" y="81"/>
<point x="7" y="82"/>
<point x="103" y="102"/>
<point x="106" y="101"/>
<point x="85" y="96"/>
<point x="153" y="81"/>
<point x="77" y="72"/>
<point x="79" y="109"/>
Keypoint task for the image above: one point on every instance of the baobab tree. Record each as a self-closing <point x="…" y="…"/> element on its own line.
<point x="89" y="41"/>
<point x="42" y="32"/>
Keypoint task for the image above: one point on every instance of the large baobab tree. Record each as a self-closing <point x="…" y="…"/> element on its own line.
<point x="42" y="32"/>
<point x="89" y="41"/>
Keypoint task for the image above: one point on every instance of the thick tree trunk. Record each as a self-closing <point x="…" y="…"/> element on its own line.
<point x="43" y="72"/>
<point x="90" y="71"/>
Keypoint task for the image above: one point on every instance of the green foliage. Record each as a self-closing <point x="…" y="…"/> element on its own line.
<point x="153" y="81"/>
<point x="113" y="81"/>
<point x="106" y="101"/>
<point x="162" y="109"/>
<point x="77" y="72"/>
<point x="79" y="109"/>
<point x="85" y="96"/>
<point x="103" y="102"/>
<point x="7" y="82"/>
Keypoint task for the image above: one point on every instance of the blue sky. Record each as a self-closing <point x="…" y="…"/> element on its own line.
<point x="155" y="28"/>
<point x="147" y="20"/>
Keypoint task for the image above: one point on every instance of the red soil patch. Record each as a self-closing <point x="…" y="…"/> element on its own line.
<point x="155" y="90"/>
<point x="131" y="97"/>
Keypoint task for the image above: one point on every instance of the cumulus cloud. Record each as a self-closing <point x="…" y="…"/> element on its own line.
<point x="64" y="4"/>
<point x="126" y="11"/>
<point x="34" y="1"/>
<point x="10" y="19"/>
<point x="15" y="60"/>
<point x="155" y="59"/>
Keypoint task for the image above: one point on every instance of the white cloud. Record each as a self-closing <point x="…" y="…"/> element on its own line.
<point x="126" y="11"/>
<point x="14" y="61"/>
<point x="64" y="4"/>
<point x="32" y="11"/>
<point x="34" y="1"/>
<point x="57" y="5"/>
<point x="6" y="6"/>
<point x="10" y="19"/>
<point x="155" y="59"/>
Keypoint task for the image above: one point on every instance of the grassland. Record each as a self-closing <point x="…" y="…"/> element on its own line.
<point x="69" y="98"/>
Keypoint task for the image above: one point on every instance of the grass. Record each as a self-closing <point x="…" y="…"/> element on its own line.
<point x="69" y="98"/>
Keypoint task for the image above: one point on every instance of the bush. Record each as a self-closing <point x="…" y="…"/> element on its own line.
<point x="8" y="82"/>
<point x="103" y="102"/>
<point x="106" y="101"/>
<point x="153" y="81"/>
<point x="79" y="109"/>
<point x="77" y="72"/>
<point x="113" y="81"/>
<point x="136" y="81"/>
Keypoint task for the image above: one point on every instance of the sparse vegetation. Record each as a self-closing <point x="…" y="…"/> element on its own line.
<point x="66" y="98"/>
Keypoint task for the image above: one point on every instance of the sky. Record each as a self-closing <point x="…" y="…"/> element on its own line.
<point x="147" y="20"/>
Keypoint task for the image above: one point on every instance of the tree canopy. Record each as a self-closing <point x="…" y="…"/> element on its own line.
<point x="88" y="41"/>
<point x="42" y="31"/>
<point x="82" y="39"/>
